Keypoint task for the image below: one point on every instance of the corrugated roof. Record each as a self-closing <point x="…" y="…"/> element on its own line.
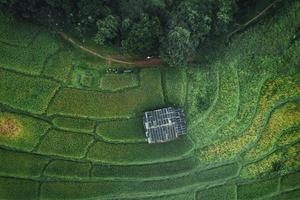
<point x="164" y="124"/>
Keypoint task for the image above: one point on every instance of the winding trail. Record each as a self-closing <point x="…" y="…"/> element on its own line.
<point x="139" y="63"/>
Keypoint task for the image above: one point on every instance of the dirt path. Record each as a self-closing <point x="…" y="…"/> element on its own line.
<point x="255" y="18"/>
<point x="139" y="63"/>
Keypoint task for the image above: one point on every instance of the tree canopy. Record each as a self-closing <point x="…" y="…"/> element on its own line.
<point x="171" y="29"/>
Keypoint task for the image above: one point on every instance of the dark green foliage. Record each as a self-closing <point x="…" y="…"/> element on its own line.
<point x="61" y="168"/>
<point x="25" y="92"/>
<point x="9" y="33"/>
<point x="74" y="124"/>
<point x="224" y="192"/>
<point x="143" y="37"/>
<point x="107" y="29"/>
<point x="65" y="144"/>
<point x="257" y="189"/>
<point x="136" y="25"/>
<point x="177" y="46"/>
<point x="13" y="188"/>
<point x="140" y="152"/>
<point x="290" y="195"/>
<point x="146" y="171"/>
<point x="290" y="181"/>
<point x="21" y="164"/>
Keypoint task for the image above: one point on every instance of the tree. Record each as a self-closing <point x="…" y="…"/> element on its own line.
<point x="195" y="17"/>
<point x="107" y="29"/>
<point x="177" y="46"/>
<point x="143" y="37"/>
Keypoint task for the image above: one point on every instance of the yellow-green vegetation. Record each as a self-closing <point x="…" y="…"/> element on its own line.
<point x="271" y="96"/>
<point x="116" y="82"/>
<point x="9" y="127"/>
<point x="70" y="129"/>
<point x="281" y="119"/>
<point x="21" y="131"/>
<point x="289" y="137"/>
<point x="278" y="161"/>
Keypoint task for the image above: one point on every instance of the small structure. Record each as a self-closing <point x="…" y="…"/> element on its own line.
<point x="164" y="124"/>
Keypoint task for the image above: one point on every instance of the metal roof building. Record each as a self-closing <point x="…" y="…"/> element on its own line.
<point x="164" y="124"/>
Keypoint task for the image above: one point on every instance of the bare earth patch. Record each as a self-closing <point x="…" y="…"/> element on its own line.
<point x="9" y="127"/>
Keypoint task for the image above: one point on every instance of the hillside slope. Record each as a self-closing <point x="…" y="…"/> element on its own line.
<point x="63" y="135"/>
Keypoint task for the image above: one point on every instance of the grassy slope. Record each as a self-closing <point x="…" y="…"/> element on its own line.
<point x="80" y="142"/>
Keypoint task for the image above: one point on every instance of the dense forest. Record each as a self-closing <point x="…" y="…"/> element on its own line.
<point x="170" y="29"/>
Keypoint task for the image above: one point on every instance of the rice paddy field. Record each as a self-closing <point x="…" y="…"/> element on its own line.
<point x="72" y="130"/>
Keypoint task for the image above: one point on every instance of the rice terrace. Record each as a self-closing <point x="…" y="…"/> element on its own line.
<point x="150" y="99"/>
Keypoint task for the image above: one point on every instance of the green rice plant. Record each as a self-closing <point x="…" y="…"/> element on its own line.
<point x="26" y="131"/>
<point x="25" y="92"/>
<point x="13" y="188"/>
<point x="257" y="189"/>
<point x="186" y="195"/>
<point x="116" y="82"/>
<point x="139" y="153"/>
<point x="67" y="169"/>
<point x="16" y="32"/>
<point x="175" y="85"/>
<point x="224" y="109"/>
<point x="102" y="105"/>
<point x="128" y="130"/>
<point x="225" y="192"/>
<point x="58" y="66"/>
<point x="84" y="77"/>
<point x="202" y="91"/>
<point x="22" y="165"/>
<point x="165" y="169"/>
<point x="249" y="91"/>
<point x="30" y="59"/>
<point x="66" y="144"/>
<point x="127" y="188"/>
<point x="21" y="59"/>
<point x="290" y="195"/>
<point x="74" y="124"/>
<point x="290" y="181"/>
